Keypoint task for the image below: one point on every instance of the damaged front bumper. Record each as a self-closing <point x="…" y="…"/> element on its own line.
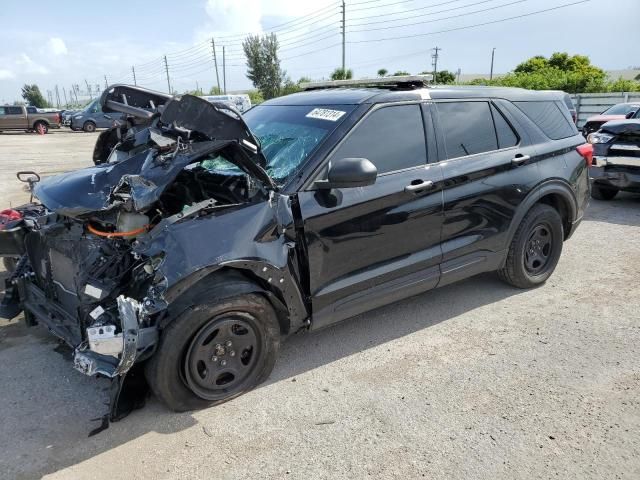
<point x="104" y="351"/>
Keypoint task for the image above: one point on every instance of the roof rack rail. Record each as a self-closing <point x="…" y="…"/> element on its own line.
<point x="397" y="81"/>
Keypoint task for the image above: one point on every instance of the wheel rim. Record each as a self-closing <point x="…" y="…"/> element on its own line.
<point x="222" y="356"/>
<point x="41" y="129"/>
<point x="538" y="249"/>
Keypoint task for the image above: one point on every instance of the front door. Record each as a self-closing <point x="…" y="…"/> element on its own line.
<point x="368" y="246"/>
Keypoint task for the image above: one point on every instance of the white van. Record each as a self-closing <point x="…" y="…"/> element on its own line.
<point x="241" y="102"/>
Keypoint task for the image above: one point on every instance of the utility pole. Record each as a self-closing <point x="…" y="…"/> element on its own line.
<point x="49" y="97"/>
<point x="224" y="71"/>
<point x="435" y="63"/>
<point x="166" y="69"/>
<point x="343" y="35"/>
<point x="88" y="90"/>
<point x="133" y="70"/>
<point x="493" y="53"/>
<point x="76" y="89"/>
<point x="57" y="97"/>
<point x="458" y="75"/>
<point x="215" y="62"/>
<point x="106" y="83"/>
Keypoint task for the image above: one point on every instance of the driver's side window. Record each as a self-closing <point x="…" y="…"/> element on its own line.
<point x="391" y="137"/>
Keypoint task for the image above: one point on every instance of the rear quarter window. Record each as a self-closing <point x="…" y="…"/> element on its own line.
<point x="549" y="118"/>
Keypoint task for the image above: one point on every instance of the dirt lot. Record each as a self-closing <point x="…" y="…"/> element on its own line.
<point x="472" y="381"/>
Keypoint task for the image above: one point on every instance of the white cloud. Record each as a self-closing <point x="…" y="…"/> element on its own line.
<point x="6" y="74"/>
<point x="57" y="46"/>
<point x="27" y="65"/>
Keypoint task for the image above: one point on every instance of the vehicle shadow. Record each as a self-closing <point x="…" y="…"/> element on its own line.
<point x="624" y="209"/>
<point x="48" y="431"/>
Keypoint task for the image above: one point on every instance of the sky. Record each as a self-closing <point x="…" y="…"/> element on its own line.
<point x="75" y="43"/>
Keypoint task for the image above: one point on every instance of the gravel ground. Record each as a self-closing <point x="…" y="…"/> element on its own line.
<point x="476" y="380"/>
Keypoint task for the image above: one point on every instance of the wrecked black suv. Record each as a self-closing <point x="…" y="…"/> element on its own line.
<point x="202" y="238"/>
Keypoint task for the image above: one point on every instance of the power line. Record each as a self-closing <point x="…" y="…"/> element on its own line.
<point x="387" y="20"/>
<point x="472" y="26"/>
<point x="441" y="19"/>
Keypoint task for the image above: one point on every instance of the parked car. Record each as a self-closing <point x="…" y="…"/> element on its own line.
<point x="617" y="112"/>
<point x="616" y="159"/>
<point x="20" y="117"/>
<point x="203" y="238"/>
<point x="93" y="117"/>
<point x="240" y="102"/>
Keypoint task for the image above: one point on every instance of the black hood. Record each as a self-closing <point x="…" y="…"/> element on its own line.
<point x="621" y="127"/>
<point x="176" y="133"/>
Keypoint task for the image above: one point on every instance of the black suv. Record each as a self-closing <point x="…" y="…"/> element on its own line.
<point x="202" y="238"/>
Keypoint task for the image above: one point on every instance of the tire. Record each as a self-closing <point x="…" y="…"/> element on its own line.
<point x="41" y="128"/>
<point x="89" y="127"/>
<point x="535" y="248"/>
<point x="603" y="193"/>
<point x="187" y="370"/>
<point x="10" y="263"/>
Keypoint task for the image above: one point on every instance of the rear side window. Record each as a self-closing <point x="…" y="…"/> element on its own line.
<point x="392" y="138"/>
<point x="467" y="128"/>
<point x="13" y="110"/>
<point x="506" y="136"/>
<point x="548" y="117"/>
<point x="2" y="112"/>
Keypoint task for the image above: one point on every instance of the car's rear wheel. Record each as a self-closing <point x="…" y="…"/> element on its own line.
<point x="535" y="249"/>
<point x="41" y="128"/>
<point x="89" y="127"/>
<point x="214" y="352"/>
<point x="603" y="193"/>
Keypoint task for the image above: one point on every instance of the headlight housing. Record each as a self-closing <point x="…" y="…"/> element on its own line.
<point x="599" y="138"/>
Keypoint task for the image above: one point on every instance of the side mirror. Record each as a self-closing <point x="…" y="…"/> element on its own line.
<point x="348" y="173"/>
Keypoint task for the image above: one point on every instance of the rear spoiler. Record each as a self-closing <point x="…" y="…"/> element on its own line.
<point x="133" y="100"/>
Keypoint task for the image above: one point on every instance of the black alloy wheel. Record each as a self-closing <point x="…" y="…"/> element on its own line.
<point x="213" y="352"/>
<point x="535" y="248"/>
<point x="222" y="355"/>
<point x="538" y="249"/>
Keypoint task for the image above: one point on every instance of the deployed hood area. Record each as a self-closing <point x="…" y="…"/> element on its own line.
<point x="140" y="160"/>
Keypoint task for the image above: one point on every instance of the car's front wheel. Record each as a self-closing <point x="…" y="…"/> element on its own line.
<point x="214" y="352"/>
<point x="603" y="193"/>
<point x="535" y="249"/>
<point x="89" y="127"/>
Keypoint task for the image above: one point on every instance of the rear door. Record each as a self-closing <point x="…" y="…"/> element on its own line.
<point x="488" y="169"/>
<point x="372" y="245"/>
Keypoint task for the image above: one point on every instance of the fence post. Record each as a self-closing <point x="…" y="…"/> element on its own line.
<point x="578" y="101"/>
<point x="626" y="97"/>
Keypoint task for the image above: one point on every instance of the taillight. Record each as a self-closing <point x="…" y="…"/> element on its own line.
<point x="586" y="150"/>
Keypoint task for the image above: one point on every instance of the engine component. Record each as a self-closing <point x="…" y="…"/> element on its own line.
<point x="129" y="222"/>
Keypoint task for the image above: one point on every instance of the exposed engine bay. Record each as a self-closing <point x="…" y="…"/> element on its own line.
<point x="95" y="271"/>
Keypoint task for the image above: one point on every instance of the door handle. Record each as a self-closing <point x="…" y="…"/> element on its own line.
<point x="519" y="159"/>
<point x="416" y="187"/>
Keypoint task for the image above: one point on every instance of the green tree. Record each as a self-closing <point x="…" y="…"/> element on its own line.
<point x="255" y="96"/>
<point x="561" y="71"/>
<point x="263" y="65"/>
<point x="383" y="72"/>
<point x="340" y="74"/>
<point x="215" y="90"/>
<point x="401" y="73"/>
<point x="445" y="76"/>
<point x="637" y="77"/>
<point x="33" y="96"/>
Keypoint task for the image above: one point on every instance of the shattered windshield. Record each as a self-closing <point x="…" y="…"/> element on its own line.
<point x="289" y="133"/>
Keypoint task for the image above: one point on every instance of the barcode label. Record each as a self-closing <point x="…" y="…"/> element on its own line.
<point x="325" y="114"/>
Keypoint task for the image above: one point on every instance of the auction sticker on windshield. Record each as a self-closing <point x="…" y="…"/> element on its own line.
<point x="325" y="114"/>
